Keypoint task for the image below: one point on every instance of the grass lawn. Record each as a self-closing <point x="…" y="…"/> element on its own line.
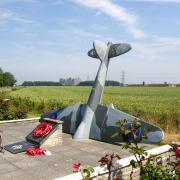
<point x="158" y="105"/>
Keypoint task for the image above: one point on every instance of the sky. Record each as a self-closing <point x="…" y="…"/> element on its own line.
<point x="49" y="39"/>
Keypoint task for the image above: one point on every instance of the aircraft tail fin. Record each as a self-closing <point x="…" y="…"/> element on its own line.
<point x="114" y="51"/>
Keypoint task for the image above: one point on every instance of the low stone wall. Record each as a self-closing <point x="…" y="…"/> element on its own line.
<point x="123" y="169"/>
<point x="19" y="120"/>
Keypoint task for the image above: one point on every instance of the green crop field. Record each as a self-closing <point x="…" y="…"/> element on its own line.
<point x="159" y="105"/>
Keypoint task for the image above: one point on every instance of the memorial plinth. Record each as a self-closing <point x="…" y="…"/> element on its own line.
<point x="46" y="139"/>
<point x="55" y="138"/>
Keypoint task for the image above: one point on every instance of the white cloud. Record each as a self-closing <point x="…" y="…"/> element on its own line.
<point x="153" y="61"/>
<point x="57" y="1"/>
<point x="79" y="32"/>
<point x="117" y="12"/>
<point x="159" y="49"/>
<point x="114" y="10"/>
<point x="157" y="1"/>
<point x="36" y="63"/>
<point x="7" y="16"/>
<point x="4" y="2"/>
<point x="137" y="33"/>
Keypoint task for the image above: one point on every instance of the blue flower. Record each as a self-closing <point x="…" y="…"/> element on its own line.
<point x="129" y="127"/>
<point x="138" y="132"/>
<point x="136" y="135"/>
<point x="130" y="137"/>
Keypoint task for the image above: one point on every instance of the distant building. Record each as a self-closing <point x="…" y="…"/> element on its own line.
<point x="69" y="81"/>
<point x="172" y="85"/>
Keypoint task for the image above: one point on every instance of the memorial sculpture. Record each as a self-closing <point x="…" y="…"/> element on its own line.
<point x="104" y="53"/>
<point x="93" y="120"/>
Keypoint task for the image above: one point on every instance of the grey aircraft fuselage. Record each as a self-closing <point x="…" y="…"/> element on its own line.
<point x="104" y="53"/>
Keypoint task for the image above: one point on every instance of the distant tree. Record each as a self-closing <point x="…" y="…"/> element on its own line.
<point x="112" y="83"/>
<point x="108" y="83"/>
<point x="86" y="83"/>
<point x="143" y="83"/>
<point x="27" y="83"/>
<point x="41" y="83"/>
<point x="1" y="77"/>
<point x="8" y="79"/>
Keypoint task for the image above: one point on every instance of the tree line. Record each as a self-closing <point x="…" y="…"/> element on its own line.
<point x="51" y="83"/>
<point x="6" y="79"/>
<point x="41" y="83"/>
<point x="107" y="83"/>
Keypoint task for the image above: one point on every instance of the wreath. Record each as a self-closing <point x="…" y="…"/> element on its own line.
<point x="42" y="130"/>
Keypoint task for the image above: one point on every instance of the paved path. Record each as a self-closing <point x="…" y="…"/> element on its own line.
<point x="21" y="166"/>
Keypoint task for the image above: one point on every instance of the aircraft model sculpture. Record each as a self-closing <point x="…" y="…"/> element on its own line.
<point x="93" y="120"/>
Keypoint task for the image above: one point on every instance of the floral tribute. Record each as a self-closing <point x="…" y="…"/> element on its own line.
<point x="35" y="151"/>
<point x="76" y="167"/>
<point x="43" y="130"/>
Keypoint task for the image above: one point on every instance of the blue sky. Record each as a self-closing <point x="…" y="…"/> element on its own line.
<point x="49" y="39"/>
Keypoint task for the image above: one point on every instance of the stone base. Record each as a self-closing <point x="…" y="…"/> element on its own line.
<point x="56" y="137"/>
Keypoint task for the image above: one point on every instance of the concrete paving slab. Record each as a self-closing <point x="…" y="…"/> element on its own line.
<point x="22" y="166"/>
<point x="17" y="174"/>
<point x="6" y="167"/>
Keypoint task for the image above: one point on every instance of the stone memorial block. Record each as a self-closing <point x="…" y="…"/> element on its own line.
<point x="53" y="138"/>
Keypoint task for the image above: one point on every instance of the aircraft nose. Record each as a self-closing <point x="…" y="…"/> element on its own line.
<point x="156" y="136"/>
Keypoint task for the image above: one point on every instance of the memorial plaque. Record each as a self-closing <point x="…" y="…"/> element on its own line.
<point x="19" y="147"/>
